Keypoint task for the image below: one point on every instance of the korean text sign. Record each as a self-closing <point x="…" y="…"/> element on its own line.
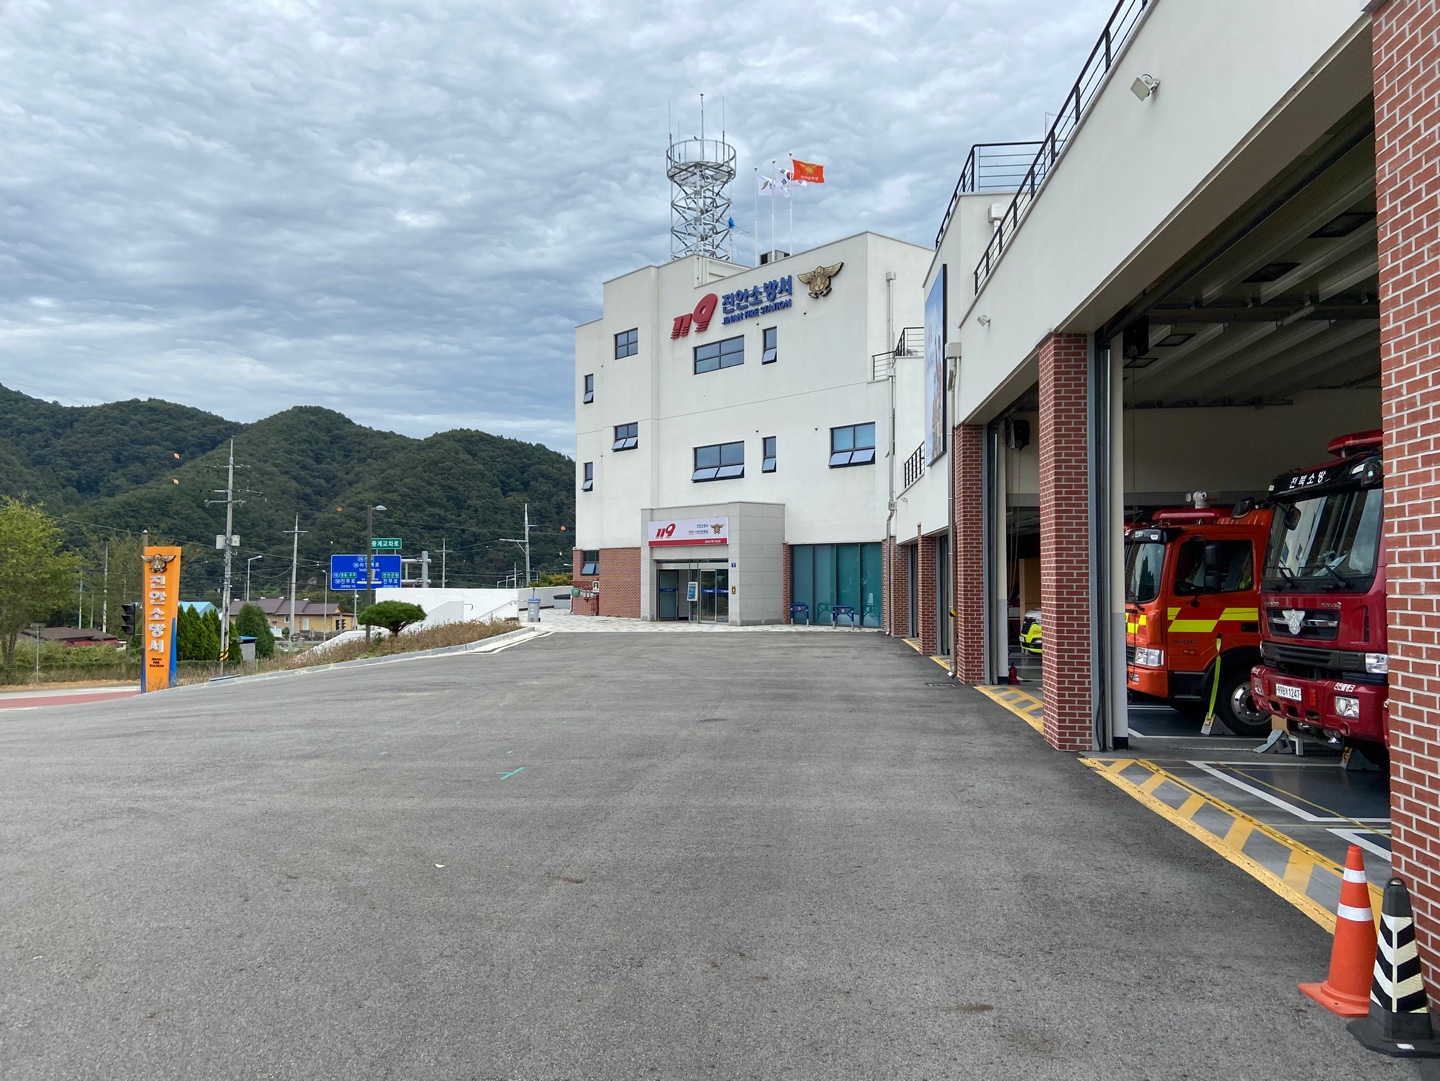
<point x="160" y="606"/>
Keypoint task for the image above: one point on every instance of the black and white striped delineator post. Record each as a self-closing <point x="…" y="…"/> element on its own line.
<point x="1399" y="1020"/>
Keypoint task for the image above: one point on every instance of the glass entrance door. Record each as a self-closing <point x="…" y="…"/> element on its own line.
<point x="667" y="606"/>
<point x="715" y="596"/>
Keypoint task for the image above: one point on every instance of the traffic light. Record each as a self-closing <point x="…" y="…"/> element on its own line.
<point x="129" y="625"/>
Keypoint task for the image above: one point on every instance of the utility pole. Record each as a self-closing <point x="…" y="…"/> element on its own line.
<point x="105" y="604"/>
<point x="80" y="609"/>
<point x="230" y="503"/>
<point x="525" y="543"/>
<point x="294" y="561"/>
<point x="442" y="562"/>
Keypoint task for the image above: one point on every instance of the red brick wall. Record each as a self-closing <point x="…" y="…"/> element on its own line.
<point x="897" y="586"/>
<point x="929" y="631"/>
<point x="968" y="454"/>
<point x="788" y="588"/>
<point x="1407" y="160"/>
<point x="1065" y="541"/>
<point x="619" y="580"/>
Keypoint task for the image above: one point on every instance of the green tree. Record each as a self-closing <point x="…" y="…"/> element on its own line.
<point x="210" y="635"/>
<point x="394" y="616"/>
<point x="188" y="635"/>
<point x="252" y="623"/>
<point x="35" y="575"/>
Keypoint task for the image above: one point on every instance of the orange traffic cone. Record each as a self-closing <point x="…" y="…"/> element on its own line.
<point x="1346" y="991"/>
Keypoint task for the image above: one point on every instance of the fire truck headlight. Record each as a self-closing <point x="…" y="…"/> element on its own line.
<point x="1345" y="706"/>
<point x="1150" y="658"/>
<point x="1377" y="664"/>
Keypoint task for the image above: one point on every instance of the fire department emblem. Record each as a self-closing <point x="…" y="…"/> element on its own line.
<point x="158" y="563"/>
<point x="819" y="279"/>
<point x="717" y="528"/>
<point x="1294" y="620"/>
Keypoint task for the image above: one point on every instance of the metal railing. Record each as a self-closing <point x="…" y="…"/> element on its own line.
<point x="1121" y="24"/>
<point x="914" y="467"/>
<point x="990" y="167"/>
<point x="910" y="344"/>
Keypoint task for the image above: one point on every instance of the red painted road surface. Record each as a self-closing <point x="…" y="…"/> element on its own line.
<point x="78" y="698"/>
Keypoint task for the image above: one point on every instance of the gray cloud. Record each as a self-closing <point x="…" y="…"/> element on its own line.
<point x="400" y="210"/>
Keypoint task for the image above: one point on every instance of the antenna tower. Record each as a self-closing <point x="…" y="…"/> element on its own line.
<point x="700" y="172"/>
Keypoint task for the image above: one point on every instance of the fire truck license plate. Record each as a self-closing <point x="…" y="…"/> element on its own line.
<point x="1284" y="690"/>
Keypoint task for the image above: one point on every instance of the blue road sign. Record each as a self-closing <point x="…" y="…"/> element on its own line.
<point x="348" y="572"/>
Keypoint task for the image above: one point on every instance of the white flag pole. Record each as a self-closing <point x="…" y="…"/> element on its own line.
<point x="756" y="193"/>
<point x="791" y="201"/>
<point x="773" y="189"/>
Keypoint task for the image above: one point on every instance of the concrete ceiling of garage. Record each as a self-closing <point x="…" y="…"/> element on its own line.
<point x="1287" y="303"/>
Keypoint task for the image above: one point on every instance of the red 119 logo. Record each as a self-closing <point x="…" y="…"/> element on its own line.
<point x="699" y="318"/>
<point x="665" y="532"/>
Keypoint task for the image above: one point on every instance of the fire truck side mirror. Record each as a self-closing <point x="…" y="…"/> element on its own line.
<point x="1212" y="566"/>
<point x="1242" y="508"/>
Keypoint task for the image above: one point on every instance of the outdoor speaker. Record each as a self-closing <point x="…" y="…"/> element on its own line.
<point x="1137" y="339"/>
<point x="1017" y="433"/>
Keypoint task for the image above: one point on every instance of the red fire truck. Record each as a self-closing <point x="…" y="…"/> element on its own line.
<point x="1325" y="662"/>
<point x="1190" y="581"/>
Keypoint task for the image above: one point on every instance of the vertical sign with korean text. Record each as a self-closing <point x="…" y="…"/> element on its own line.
<point x="160" y="605"/>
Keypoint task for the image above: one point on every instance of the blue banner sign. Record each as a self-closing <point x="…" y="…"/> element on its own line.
<point x="348" y="572"/>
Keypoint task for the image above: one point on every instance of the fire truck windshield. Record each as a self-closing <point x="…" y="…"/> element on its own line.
<point x="1144" y="562"/>
<point x="1327" y="542"/>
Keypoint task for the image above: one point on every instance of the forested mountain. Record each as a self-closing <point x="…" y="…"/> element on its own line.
<point x="111" y="470"/>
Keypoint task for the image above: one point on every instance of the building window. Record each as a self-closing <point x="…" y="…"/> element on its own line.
<point x="853" y="444"/>
<point x="848" y="576"/>
<point x="721" y="461"/>
<point x="589" y="484"/>
<point x="627" y="344"/>
<point x="589" y="389"/>
<point x="770" y="343"/>
<point x="627" y="436"/>
<point x="768" y="465"/>
<point x="726" y="354"/>
<point x="590" y="562"/>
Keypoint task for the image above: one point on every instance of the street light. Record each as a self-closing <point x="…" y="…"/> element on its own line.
<point x="252" y="559"/>
<point x="369" y="546"/>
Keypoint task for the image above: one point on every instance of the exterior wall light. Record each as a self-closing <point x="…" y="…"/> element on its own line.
<point x="983" y="320"/>
<point x="1144" y="86"/>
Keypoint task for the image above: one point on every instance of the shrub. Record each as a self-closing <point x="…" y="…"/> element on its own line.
<point x="394" y="616"/>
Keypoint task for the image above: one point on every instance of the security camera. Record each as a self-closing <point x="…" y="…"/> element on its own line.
<point x="1144" y="86"/>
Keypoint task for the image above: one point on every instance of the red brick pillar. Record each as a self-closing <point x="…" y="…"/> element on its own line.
<point x="1407" y="182"/>
<point x="1065" y="607"/>
<point x="968" y="635"/>
<point x="580" y="606"/>
<point x="929" y="631"/>
<point x="788" y="588"/>
<point x="897" y="586"/>
<point x="619" y="582"/>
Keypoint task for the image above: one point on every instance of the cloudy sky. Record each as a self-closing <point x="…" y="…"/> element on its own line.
<point x="401" y="209"/>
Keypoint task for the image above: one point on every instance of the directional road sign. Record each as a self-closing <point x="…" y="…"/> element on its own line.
<point x="384" y="544"/>
<point x="348" y="572"/>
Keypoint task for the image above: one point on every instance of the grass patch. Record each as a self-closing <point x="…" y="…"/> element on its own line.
<point x="384" y="644"/>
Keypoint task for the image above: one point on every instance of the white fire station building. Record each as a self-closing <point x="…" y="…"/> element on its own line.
<point x="733" y="436"/>
<point x="1224" y="254"/>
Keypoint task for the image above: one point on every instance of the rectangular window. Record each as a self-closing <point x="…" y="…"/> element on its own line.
<point x="726" y="354"/>
<point x="770" y="343"/>
<point x="768" y="465"/>
<point x="589" y="484"/>
<point x="837" y="584"/>
<point x="853" y="444"/>
<point x="627" y="343"/>
<point x="590" y="561"/>
<point x="720" y="461"/>
<point x="589" y="389"/>
<point x="627" y="436"/>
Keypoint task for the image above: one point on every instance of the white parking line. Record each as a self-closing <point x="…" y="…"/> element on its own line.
<point x="1268" y="797"/>
<point x="1363" y="838"/>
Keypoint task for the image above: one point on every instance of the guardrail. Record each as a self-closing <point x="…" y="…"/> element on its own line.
<point x="1121" y="24"/>
<point x="990" y="167"/>
<point x="914" y="467"/>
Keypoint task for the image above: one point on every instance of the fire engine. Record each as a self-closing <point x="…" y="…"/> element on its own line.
<point x="1192" y="605"/>
<point x="1325" y="660"/>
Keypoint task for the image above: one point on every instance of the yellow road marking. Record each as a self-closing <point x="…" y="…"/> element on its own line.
<point x="1025" y="706"/>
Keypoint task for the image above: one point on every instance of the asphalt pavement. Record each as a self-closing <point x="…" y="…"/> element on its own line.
<point x="621" y="856"/>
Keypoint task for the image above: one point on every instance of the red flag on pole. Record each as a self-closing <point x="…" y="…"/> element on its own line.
<point x="805" y="173"/>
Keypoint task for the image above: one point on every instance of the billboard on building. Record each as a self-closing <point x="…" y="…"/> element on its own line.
<point x="936" y="421"/>
<point x="689" y="531"/>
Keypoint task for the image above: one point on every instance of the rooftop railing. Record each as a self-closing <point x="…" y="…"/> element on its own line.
<point x="990" y="167"/>
<point x="1121" y="24"/>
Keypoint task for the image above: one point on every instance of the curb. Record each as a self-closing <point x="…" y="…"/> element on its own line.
<point x="515" y="637"/>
